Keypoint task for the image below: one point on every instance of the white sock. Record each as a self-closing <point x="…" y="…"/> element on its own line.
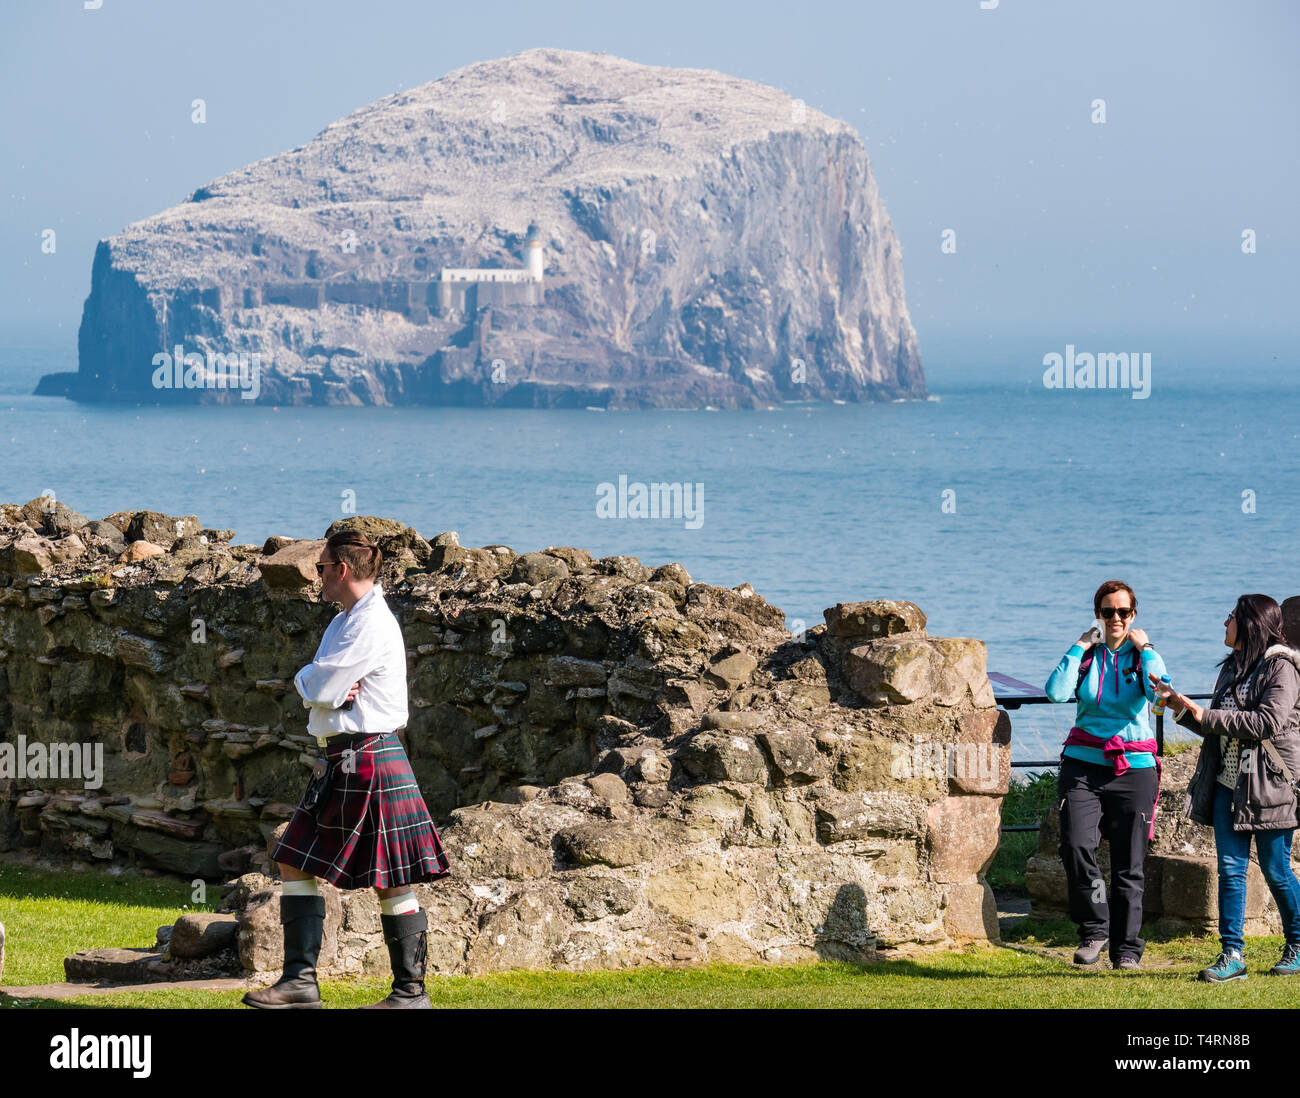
<point x="309" y="887"/>
<point x="400" y="905"/>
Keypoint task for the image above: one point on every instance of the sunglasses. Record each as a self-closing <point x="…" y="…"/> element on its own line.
<point x="1108" y="612"/>
<point x="320" y="568"/>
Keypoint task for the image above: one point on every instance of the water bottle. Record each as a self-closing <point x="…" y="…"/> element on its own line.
<point x="1159" y="708"/>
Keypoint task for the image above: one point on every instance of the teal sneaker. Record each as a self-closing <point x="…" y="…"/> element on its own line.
<point x="1229" y="966"/>
<point x="1289" y="965"/>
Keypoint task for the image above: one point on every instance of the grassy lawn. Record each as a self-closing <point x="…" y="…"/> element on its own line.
<point x="49" y="915"/>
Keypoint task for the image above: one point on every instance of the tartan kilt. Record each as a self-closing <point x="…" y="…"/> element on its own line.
<point x="371" y="828"/>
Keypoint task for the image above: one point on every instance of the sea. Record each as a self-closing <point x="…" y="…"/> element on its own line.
<point x="997" y="505"/>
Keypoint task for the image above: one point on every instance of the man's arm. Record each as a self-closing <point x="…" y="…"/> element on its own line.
<point x="326" y="681"/>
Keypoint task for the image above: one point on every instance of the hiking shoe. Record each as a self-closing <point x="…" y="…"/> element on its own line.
<point x="1128" y="964"/>
<point x="1289" y="965"/>
<point x="1229" y="966"/>
<point x="1090" y="952"/>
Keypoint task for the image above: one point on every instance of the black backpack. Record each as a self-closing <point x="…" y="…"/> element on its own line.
<point x="1086" y="663"/>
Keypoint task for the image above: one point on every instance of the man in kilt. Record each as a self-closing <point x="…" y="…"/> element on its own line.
<point x="362" y="822"/>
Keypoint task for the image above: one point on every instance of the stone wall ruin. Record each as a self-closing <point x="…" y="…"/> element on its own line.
<point x="626" y="766"/>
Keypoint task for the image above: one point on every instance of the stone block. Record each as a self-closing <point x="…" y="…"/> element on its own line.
<point x="200" y="934"/>
<point x="962" y="837"/>
<point x="292" y="567"/>
<point x="598" y="897"/>
<point x="719" y="756"/>
<point x="971" y="912"/>
<point x="795" y="755"/>
<point x="702" y="890"/>
<point x="842" y="816"/>
<point x="982" y="753"/>
<point x="874" y="618"/>
<point x="897" y="670"/>
<point x="611" y="844"/>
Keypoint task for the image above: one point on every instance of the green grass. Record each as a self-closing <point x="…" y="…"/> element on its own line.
<point x="1026" y="800"/>
<point x="51" y="914"/>
<point x="980" y="976"/>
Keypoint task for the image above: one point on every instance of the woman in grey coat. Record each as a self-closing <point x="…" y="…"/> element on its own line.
<point x="1243" y="780"/>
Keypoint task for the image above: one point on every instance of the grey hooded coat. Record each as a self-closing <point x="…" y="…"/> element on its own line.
<point x="1262" y="799"/>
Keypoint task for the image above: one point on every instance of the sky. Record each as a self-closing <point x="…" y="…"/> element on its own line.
<point x="1114" y="235"/>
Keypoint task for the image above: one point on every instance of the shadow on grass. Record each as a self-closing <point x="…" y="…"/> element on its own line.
<point x="8" y="1002"/>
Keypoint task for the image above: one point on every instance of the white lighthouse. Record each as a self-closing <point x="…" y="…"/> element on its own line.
<point x="530" y="272"/>
<point x="533" y="253"/>
<point x="461" y="290"/>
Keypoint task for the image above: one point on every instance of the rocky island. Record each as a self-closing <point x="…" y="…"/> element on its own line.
<point x="552" y="229"/>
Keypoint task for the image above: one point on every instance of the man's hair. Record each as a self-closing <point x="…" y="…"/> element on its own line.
<point x="1109" y="588"/>
<point x="361" y="554"/>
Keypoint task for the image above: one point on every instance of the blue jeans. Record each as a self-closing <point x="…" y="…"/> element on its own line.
<point x="1233" y="851"/>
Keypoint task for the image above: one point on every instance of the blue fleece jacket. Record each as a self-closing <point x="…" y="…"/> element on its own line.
<point x="1111" y="700"/>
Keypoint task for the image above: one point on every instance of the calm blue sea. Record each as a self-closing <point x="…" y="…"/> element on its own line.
<point x="1048" y="493"/>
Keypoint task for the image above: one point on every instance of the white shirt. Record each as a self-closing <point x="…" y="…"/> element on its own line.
<point x="362" y="644"/>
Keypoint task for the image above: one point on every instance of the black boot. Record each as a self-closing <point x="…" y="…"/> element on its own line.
<point x="303" y="919"/>
<point x="407" y="943"/>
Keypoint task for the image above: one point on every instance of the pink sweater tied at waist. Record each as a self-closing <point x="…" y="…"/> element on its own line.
<point x="1115" y="750"/>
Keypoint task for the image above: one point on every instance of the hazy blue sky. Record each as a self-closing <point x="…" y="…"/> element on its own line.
<point x="1119" y="236"/>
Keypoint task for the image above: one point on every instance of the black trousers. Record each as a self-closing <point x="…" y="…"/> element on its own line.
<point x="1092" y="797"/>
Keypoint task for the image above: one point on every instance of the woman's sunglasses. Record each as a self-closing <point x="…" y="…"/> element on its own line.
<point x="1108" y="612"/>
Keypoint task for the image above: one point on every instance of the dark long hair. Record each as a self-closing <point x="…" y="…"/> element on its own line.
<point x="1259" y="627"/>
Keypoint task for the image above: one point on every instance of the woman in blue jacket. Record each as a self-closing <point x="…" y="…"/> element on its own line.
<point x="1109" y="776"/>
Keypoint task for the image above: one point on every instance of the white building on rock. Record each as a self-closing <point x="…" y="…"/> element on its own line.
<point x="530" y="272"/>
<point x="464" y="289"/>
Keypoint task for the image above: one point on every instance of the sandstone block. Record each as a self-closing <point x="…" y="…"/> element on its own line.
<point x="732" y="671"/>
<point x="962" y="836"/>
<point x="972" y="911"/>
<point x="292" y="567"/>
<point x="702" y="890"/>
<point x="897" y="670"/>
<point x="795" y="756"/>
<point x="200" y="934"/>
<point x="611" y="844"/>
<point x="597" y="897"/>
<point x="722" y="757"/>
<point x="874" y="618"/>
<point x="842" y="816"/>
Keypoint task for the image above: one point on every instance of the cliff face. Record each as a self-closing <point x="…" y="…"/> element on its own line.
<point x="706" y="241"/>
<point x="628" y="766"/>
